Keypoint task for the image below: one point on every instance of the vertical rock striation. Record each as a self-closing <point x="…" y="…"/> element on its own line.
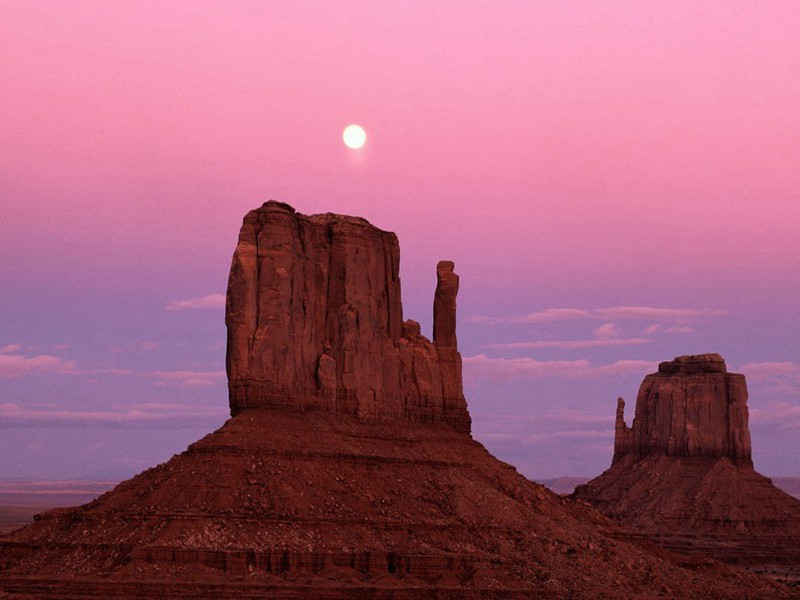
<point x="691" y="407"/>
<point x="683" y="475"/>
<point x="315" y="322"/>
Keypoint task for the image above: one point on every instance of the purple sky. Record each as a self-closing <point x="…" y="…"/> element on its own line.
<point x="616" y="182"/>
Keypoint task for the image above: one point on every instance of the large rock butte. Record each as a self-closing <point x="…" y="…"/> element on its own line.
<point x="315" y="321"/>
<point x="346" y="470"/>
<point x="682" y="475"/>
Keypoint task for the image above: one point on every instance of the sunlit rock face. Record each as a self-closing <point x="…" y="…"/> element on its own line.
<point x="315" y="322"/>
<point x="691" y="407"/>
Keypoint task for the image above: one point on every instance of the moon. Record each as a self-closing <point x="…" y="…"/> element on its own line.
<point x="354" y="136"/>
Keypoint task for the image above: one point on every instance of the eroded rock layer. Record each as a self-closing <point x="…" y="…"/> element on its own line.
<point x="328" y="506"/>
<point x="315" y="322"/>
<point x="682" y="474"/>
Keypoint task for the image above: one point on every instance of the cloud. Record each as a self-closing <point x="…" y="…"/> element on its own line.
<point x="571" y="344"/>
<point x="674" y="315"/>
<point x="17" y="365"/>
<point x="768" y="370"/>
<point x="144" y="346"/>
<point x="188" y="378"/>
<point x="210" y="301"/>
<point x="657" y="314"/>
<point x="547" y="438"/>
<point x="568" y="416"/>
<point x="106" y="372"/>
<point x="624" y="368"/>
<point x="609" y="330"/>
<point x="551" y="428"/>
<point x="481" y="366"/>
<point x="544" y="316"/>
<point x="13" y="415"/>
<point x="773" y="377"/>
<point x="680" y="329"/>
<point x="605" y="335"/>
<point x="780" y="415"/>
<point x="512" y="368"/>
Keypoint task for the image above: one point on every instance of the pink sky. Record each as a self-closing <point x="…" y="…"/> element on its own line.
<point x="572" y="155"/>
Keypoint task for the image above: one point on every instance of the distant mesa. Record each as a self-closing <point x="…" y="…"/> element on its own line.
<point x="347" y="468"/>
<point x="683" y="475"/>
<point x="692" y="407"/>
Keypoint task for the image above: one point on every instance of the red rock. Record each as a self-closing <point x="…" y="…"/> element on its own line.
<point x="315" y="322"/>
<point x="682" y="474"/>
<point x="346" y="470"/>
<point x="691" y="407"/>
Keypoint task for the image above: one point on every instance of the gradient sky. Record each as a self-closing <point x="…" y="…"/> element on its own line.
<point x="617" y="182"/>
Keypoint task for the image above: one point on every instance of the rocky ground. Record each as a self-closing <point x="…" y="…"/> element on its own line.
<point x="286" y="501"/>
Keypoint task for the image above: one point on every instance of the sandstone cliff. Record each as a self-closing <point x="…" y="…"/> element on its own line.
<point x="682" y="474"/>
<point x="691" y="407"/>
<point x="315" y="322"/>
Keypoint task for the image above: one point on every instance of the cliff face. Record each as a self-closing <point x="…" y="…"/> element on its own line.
<point x="692" y="407"/>
<point x="683" y="473"/>
<point x="315" y="321"/>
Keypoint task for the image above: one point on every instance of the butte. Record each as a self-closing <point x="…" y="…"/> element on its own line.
<point x="683" y="477"/>
<point x="347" y="468"/>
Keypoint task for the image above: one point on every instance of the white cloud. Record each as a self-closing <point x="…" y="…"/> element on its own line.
<point x="547" y="438"/>
<point x="481" y="366"/>
<point x="673" y="315"/>
<point x="571" y="344"/>
<point x="763" y="371"/>
<point x="544" y="316"/>
<point x="17" y="365"/>
<point x="568" y="416"/>
<point x="13" y="415"/>
<point x="773" y="377"/>
<point x="780" y="415"/>
<point x="609" y="330"/>
<point x="657" y="314"/>
<point x="209" y="301"/>
<point x="188" y="378"/>
<point x="10" y="348"/>
<point x="624" y="367"/>
<point x="680" y="329"/>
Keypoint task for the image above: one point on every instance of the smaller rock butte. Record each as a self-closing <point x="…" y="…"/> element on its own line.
<point x="683" y="475"/>
<point x="315" y="321"/>
<point x="691" y="407"/>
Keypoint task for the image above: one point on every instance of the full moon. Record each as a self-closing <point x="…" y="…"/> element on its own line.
<point x="354" y="136"/>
